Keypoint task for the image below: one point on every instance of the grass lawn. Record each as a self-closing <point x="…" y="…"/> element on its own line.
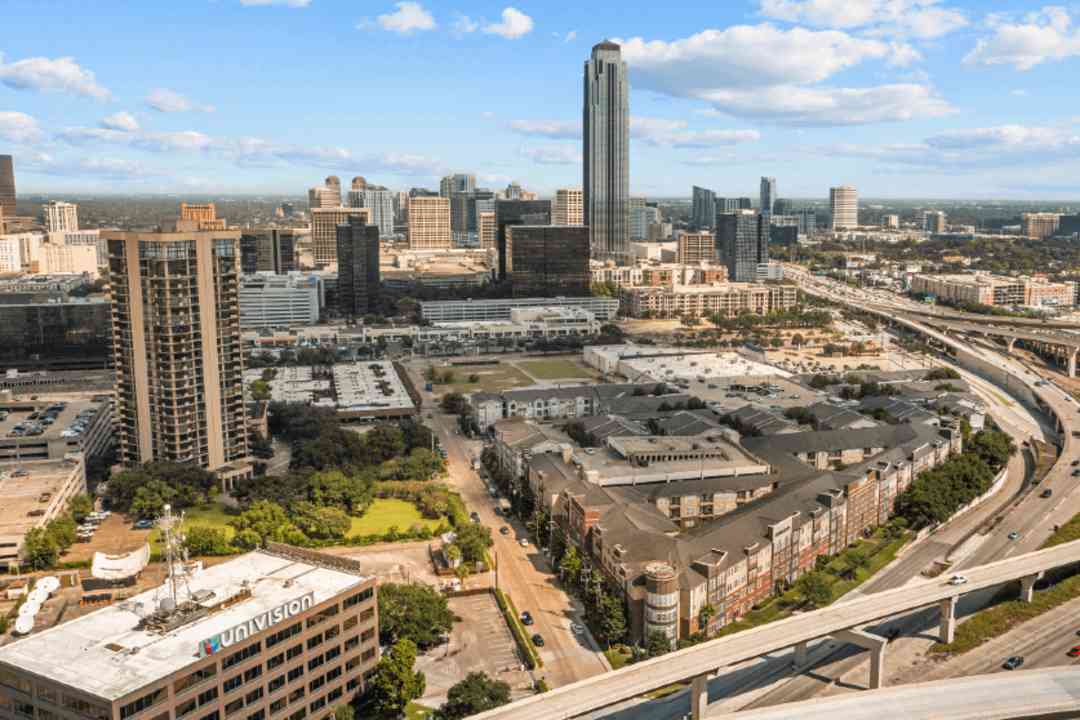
<point x="385" y="512"/>
<point x="416" y="711"/>
<point x="490" y="378"/>
<point x="555" y="369"/>
<point x="616" y="658"/>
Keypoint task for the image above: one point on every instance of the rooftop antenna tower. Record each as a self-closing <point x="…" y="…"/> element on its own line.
<point x="172" y="530"/>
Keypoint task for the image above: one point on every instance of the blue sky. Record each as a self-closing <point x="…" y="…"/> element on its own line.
<point x="902" y="98"/>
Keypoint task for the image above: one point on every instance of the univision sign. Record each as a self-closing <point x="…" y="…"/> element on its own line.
<point x="256" y="625"/>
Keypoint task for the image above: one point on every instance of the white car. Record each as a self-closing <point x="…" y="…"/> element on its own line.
<point x="577" y="628"/>
<point x="523" y="542"/>
<point x="957" y="580"/>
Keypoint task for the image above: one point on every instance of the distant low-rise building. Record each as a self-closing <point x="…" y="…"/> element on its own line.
<point x="724" y="299"/>
<point x="268" y="300"/>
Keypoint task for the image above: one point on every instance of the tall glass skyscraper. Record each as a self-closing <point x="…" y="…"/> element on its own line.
<point x="606" y="122"/>
<point x="768" y="194"/>
<point x="7" y="187"/>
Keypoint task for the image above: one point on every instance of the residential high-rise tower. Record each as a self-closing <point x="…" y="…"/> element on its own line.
<point x="567" y="208"/>
<point x="61" y="216"/>
<point x="324" y="222"/>
<point x="7" y="187"/>
<point x="768" y="194"/>
<point x="379" y="202"/>
<point x="703" y="208"/>
<point x="606" y="166"/>
<point x="429" y="222"/>
<point x="742" y="243"/>
<point x="177" y="350"/>
<point x="844" y="207"/>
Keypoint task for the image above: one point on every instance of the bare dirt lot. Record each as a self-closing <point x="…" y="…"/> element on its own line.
<point x="394" y="562"/>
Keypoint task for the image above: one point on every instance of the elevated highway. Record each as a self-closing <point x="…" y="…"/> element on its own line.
<point x="1017" y="696"/>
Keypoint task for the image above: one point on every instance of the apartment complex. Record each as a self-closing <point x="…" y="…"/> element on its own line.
<point x="324" y="223"/>
<point x="704" y="301"/>
<point x="487" y="230"/>
<point x="844" y="207"/>
<point x="1039" y="225"/>
<point x="200" y="217"/>
<point x="62" y="259"/>
<point x="651" y="274"/>
<point x="60" y="216"/>
<point x="279" y="633"/>
<point x="268" y="250"/>
<point x="429" y="223"/>
<point x="358" y="267"/>
<point x="696" y="248"/>
<point x="176" y="346"/>
<point x="985" y="289"/>
<point x="268" y="300"/>
<point x="548" y="260"/>
<point x="568" y="208"/>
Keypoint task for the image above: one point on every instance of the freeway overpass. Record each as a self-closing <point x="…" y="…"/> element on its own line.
<point x="840" y="620"/>
<point x="1017" y="696"/>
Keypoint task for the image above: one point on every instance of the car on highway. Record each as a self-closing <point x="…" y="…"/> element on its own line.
<point x="526" y="618"/>
<point x="577" y="628"/>
<point x="1046" y="493"/>
<point x="1013" y="663"/>
<point x="504" y="530"/>
<point x="1074" y="651"/>
<point x="1014" y="535"/>
<point x="538" y="640"/>
<point x="523" y="542"/>
<point x="958" y="580"/>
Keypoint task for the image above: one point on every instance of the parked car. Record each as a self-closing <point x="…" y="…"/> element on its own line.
<point x="958" y="580"/>
<point x="504" y="530"/>
<point x="523" y="542"/>
<point x="144" y="524"/>
<point x="577" y="628"/>
<point x="475" y="516"/>
<point x="1014" y="535"/>
<point x="526" y="618"/>
<point x="1074" y="651"/>
<point x="538" y="640"/>
<point x="1046" y="493"/>
<point x="1013" y="663"/>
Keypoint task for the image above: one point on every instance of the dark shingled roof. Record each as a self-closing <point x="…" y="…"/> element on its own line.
<point x="886" y="436"/>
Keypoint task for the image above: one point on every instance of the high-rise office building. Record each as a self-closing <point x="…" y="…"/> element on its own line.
<point x="890" y="222"/>
<point x="934" y="221"/>
<point x="7" y="188"/>
<point x="696" y="248"/>
<point x="60" y="216"/>
<point x="199" y="216"/>
<point x="324" y="222"/>
<point x="742" y="243"/>
<point x="268" y="250"/>
<point x="458" y="183"/>
<point x="358" y="267"/>
<point x="177" y="350"/>
<point x="401" y="208"/>
<point x="517" y="212"/>
<point x="328" y="195"/>
<point x="703" y="208"/>
<point x="768" y="194"/>
<point x="1039" y="225"/>
<point x="333" y="184"/>
<point x="358" y="183"/>
<point x="379" y="202"/>
<point x="641" y="218"/>
<point x="606" y="166"/>
<point x="548" y="260"/>
<point x="487" y="231"/>
<point x="429" y="222"/>
<point x="567" y="208"/>
<point x="844" y="207"/>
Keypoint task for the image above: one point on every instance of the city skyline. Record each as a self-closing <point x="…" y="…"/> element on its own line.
<point x="885" y="95"/>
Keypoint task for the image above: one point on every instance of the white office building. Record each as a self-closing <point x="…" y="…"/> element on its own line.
<point x="61" y="216"/>
<point x="269" y="301"/>
<point x="380" y="204"/>
<point x="844" y="207"/>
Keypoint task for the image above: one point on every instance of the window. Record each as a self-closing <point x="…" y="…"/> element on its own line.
<point x="294" y="651"/>
<point x="232" y="683"/>
<point x="241" y="655"/>
<point x="332" y="632"/>
<point x="207" y="696"/>
<point x="296" y="672"/>
<point x="277" y="706"/>
<point x="47" y="715"/>
<point x="322" y="615"/>
<point x="211" y="716"/>
<point x="275" y="661"/>
<point x="350" y="622"/>
<point x="297" y="694"/>
<point x="351" y="664"/>
<point x="277" y="683"/>
<point x="367" y="634"/>
<point x="352" y="684"/>
<point x="196" y="678"/>
<point x="351" y="643"/>
<point x="359" y="597"/>
<point x="47" y="694"/>
<point x="299" y="714"/>
<point x="252" y="673"/>
<point x="76" y="705"/>
<point x="367" y="614"/>
<point x="318" y="704"/>
<point x="315" y="662"/>
<point x="333" y="674"/>
<point x="186" y="708"/>
<point x="282" y="635"/>
<point x="24" y="708"/>
<point x="317" y="683"/>
<point x="257" y="715"/>
<point x="332" y="653"/>
<point x="314" y="641"/>
<point x="368" y="654"/>
<point x="234" y="707"/>
<point x="139" y="704"/>
<point x="253" y="696"/>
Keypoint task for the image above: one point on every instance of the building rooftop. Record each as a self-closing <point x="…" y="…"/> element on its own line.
<point x="43" y="421"/>
<point x="27" y="492"/>
<point x="108" y="653"/>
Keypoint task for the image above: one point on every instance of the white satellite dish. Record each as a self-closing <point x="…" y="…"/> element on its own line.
<point x="24" y="625"/>
<point x="29" y="609"/>
<point x="51" y="584"/>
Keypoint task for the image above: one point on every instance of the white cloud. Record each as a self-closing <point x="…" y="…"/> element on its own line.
<point x="902" y="55"/>
<point x="183" y="141"/>
<point x="514" y="24"/>
<point x="409" y="17"/>
<point x="123" y="121"/>
<point x="1039" y="37"/>
<point x="570" y="36"/>
<point x="1019" y="92"/>
<point x="84" y="135"/>
<point x="91" y="167"/>
<point x="553" y="154"/>
<point x="170" y="101"/>
<point x="918" y="18"/>
<point x="282" y="3"/>
<point x="17" y="127"/>
<point x="824" y="106"/>
<point x="465" y="25"/>
<point x="674" y="133"/>
<point x="544" y="128"/>
<point x="62" y="75"/>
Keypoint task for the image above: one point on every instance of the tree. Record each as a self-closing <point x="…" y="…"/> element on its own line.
<point x="814" y="588"/>
<point x="265" y="522"/>
<point x="453" y="555"/>
<point x="40" y="550"/>
<point x="149" y="500"/>
<point x="394" y="684"/>
<point x="473" y="539"/>
<point x="993" y="447"/>
<point x="707" y="613"/>
<point x="260" y="390"/>
<point x="612" y="618"/>
<point x="320" y="523"/>
<point x="181" y="485"/>
<point x="261" y="447"/>
<point x="454" y="403"/>
<point x="475" y="694"/>
<point x="413" y="612"/>
<point x="351" y="493"/>
<point x="798" y="340"/>
<point x="570" y="567"/>
<point x="344" y="712"/>
<point x="202" y="541"/>
<point x="80" y="506"/>
<point x="657" y="644"/>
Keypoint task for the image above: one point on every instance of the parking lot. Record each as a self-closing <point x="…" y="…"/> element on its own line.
<point x="480" y="642"/>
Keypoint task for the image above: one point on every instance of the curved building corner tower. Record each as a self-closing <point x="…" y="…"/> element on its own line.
<point x="606" y="157"/>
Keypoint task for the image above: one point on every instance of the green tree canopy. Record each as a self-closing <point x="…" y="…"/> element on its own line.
<point x="475" y="694"/>
<point x="394" y="683"/>
<point x="265" y="522"/>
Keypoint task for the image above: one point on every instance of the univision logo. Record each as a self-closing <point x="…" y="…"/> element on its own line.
<point x="257" y="624"/>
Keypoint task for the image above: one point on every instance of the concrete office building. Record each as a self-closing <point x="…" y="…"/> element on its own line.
<point x="568" y="208"/>
<point x="60" y="216"/>
<point x="275" y="633"/>
<point x="641" y="219"/>
<point x="703" y="208"/>
<point x="1039" y="225"/>
<point x="891" y="222"/>
<point x="517" y="212"/>
<point x="548" y="260"/>
<point x="277" y="301"/>
<point x="934" y="221"/>
<point x="487" y="231"/>
<point x="358" y="267"/>
<point x="199" y="216"/>
<point x="453" y="311"/>
<point x="697" y="248"/>
<point x="7" y="188"/>
<point x="844" y="207"/>
<point x="270" y="250"/>
<point x="380" y="204"/>
<point x="457" y="183"/>
<point x="606" y="166"/>
<point x="83" y="237"/>
<point x="54" y="333"/>
<point x="324" y="222"/>
<point x="742" y="243"/>
<point x="768" y="195"/>
<point x="60" y="259"/>
<point x="429" y="223"/>
<point x="177" y="349"/>
<point x="33" y="494"/>
<point x="328" y="195"/>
